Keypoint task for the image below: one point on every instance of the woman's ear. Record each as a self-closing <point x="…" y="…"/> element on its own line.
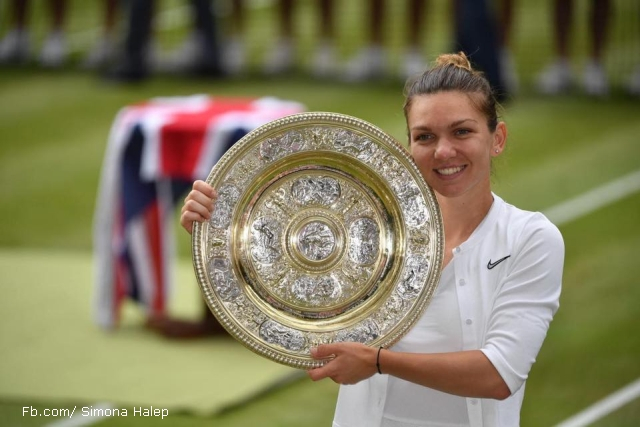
<point x="499" y="139"/>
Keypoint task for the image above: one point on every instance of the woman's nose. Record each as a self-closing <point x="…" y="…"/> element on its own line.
<point x="444" y="149"/>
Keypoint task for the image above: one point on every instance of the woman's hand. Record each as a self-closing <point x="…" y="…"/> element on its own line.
<point x="198" y="205"/>
<point x="348" y="363"/>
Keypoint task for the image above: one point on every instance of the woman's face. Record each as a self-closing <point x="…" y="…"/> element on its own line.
<point x="451" y="143"/>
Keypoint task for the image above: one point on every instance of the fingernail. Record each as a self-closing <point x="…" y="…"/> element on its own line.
<point x="313" y="351"/>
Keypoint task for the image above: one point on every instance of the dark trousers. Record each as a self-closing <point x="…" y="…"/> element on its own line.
<point x="139" y="31"/>
<point x="477" y="36"/>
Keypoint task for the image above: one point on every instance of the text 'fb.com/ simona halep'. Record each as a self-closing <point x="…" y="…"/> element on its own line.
<point x="96" y="412"/>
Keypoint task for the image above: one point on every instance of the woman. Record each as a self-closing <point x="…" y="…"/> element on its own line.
<point x="466" y="360"/>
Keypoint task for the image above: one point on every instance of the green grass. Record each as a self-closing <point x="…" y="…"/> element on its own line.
<point x="53" y="134"/>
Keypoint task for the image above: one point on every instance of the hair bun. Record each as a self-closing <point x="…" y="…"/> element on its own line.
<point x="458" y="59"/>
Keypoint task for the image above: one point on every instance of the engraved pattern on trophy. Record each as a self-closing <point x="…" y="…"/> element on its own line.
<point x="316" y="241"/>
<point x="316" y="291"/>
<point x="246" y="313"/>
<point x="364" y="238"/>
<point x="278" y="147"/>
<point x="228" y="195"/>
<point x="412" y="282"/>
<point x="265" y="239"/>
<point x="390" y="313"/>
<point x="412" y="204"/>
<point x="320" y="190"/>
<point x="217" y="242"/>
<point x="364" y="332"/>
<point x="278" y="334"/>
<point x="245" y="168"/>
<point x="356" y="145"/>
<point x="225" y="283"/>
<point x="313" y="242"/>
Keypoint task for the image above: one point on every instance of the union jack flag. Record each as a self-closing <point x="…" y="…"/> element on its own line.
<point x="155" y="151"/>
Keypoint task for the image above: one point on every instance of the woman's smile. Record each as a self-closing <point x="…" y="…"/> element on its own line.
<point x="450" y="171"/>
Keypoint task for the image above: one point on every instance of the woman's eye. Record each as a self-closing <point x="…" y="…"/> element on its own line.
<point x="462" y="132"/>
<point x="422" y="137"/>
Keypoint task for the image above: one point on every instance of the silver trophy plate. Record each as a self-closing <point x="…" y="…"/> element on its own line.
<point x="323" y="231"/>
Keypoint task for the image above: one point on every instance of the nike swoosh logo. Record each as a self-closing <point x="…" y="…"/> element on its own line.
<point x="490" y="265"/>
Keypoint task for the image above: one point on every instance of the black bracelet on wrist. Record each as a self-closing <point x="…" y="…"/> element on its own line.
<point x="378" y="360"/>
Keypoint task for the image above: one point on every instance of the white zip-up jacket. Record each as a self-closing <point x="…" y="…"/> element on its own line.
<point x="508" y="277"/>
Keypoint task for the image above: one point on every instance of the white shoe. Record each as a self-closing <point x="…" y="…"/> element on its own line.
<point x="14" y="47"/>
<point x="324" y="61"/>
<point x="413" y="63"/>
<point x="100" y="55"/>
<point x="280" y="59"/>
<point x="633" y="84"/>
<point x="233" y="58"/>
<point x="594" y="79"/>
<point x="54" y="50"/>
<point x="509" y="72"/>
<point x="368" y="64"/>
<point x="555" y="78"/>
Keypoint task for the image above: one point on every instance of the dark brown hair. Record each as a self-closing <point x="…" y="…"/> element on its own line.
<point x="453" y="72"/>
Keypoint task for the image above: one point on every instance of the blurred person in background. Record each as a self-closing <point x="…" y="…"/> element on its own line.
<point x="466" y="360"/>
<point x="280" y="57"/>
<point x="102" y="52"/>
<point x="477" y="34"/>
<point x="413" y="60"/>
<point x="202" y="61"/>
<point x="413" y="57"/>
<point x="370" y="62"/>
<point x="505" y="31"/>
<point x="325" y="63"/>
<point x="15" y="47"/>
<point x="233" y="46"/>
<point x="558" y="77"/>
<point x="633" y="82"/>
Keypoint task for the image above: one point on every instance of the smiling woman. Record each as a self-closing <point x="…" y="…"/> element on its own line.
<point x="465" y="361"/>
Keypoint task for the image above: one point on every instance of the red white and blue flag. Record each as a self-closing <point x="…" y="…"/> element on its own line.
<point x="155" y="151"/>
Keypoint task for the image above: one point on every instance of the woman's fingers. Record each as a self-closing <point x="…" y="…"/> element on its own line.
<point x="198" y="205"/>
<point x="205" y="189"/>
<point x="188" y="218"/>
<point x="198" y="202"/>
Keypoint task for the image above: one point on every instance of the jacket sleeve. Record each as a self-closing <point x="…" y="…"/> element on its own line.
<point x="526" y="302"/>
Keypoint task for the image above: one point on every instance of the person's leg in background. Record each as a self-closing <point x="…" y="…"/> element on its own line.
<point x="477" y="36"/>
<point x="234" y="43"/>
<point x="280" y="59"/>
<point x="208" y="60"/>
<point x="371" y="61"/>
<point x="54" y="50"/>
<point x="505" y="30"/>
<point x="102" y="52"/>
<point x="324" y="62"/>
<point x="557" y="77"/>
<point x="133" y="65"/>
<point x="594" y="77"/>
<point x="413" y="60"/>
<point x="15" y="46"/>
<point x="633" y="81"/>
<point x="199" y="55"/>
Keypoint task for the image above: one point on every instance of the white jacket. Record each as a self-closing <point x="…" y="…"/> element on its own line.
<point x="508" y="277"/>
